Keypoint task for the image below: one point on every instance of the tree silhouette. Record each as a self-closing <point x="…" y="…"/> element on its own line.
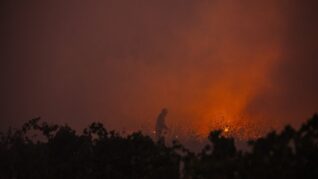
<point x="41" y="150"/>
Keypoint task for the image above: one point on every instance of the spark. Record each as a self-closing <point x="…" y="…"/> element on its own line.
<point x="226" y="129"/>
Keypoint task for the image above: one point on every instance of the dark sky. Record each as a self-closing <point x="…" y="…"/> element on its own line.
<point x="251" y="65"/>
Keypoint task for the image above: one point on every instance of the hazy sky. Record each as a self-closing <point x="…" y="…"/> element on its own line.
<point x="251" y="65"/>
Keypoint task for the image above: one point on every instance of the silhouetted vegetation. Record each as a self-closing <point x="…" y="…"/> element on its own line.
<point x="40" y="150"/>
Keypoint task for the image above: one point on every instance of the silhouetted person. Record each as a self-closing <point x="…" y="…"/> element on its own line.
<point x="161" y="127"/>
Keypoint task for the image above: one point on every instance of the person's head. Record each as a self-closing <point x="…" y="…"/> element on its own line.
<point x="164" y="111"/>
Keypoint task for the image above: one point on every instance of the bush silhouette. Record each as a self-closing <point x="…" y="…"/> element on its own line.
<point x="59" y="152"/>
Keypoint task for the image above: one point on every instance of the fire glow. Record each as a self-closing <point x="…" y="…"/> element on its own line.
<point x="243" y="67"/>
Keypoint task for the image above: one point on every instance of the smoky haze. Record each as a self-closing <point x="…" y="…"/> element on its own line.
<point x="250" y="65"/>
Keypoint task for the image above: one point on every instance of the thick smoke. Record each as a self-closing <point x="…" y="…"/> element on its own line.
<point x="250" y="65"/>
<point x="293" y="95"/>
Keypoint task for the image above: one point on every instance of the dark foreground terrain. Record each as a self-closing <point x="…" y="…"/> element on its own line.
<point x="58" y="152"/>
